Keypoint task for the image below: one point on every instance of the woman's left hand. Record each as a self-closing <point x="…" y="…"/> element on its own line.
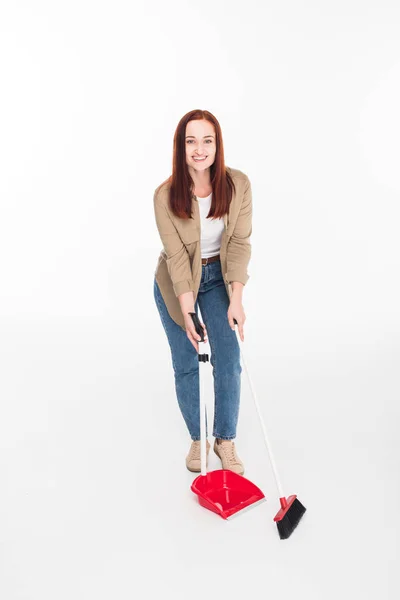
<point x="236" y="311"/>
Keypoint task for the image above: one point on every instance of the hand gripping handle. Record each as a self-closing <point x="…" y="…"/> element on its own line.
<point x="197" y="325"/>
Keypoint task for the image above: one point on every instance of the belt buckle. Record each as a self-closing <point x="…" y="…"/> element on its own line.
<point x="206" y="259"/>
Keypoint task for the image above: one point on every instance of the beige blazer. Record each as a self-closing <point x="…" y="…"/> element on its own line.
<point x="179" y="265"/>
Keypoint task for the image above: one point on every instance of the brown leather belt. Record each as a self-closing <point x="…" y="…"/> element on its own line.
<point x="205" y="261"/>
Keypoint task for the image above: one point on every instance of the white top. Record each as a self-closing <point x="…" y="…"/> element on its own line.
<point x="211" y="229"/>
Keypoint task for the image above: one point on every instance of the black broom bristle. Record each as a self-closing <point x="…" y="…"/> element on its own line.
<point x="288" y="524"/>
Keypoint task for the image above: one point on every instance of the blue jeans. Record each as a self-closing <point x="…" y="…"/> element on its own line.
<point x="225" y="357"/>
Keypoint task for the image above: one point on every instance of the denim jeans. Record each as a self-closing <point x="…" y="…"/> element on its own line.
<point x="213" y="301"/>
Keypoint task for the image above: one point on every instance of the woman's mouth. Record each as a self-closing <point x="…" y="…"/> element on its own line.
<point x="199" y="159"/>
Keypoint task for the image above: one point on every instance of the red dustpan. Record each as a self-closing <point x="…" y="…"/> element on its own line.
<point x="226" y="493"/>
<point x="222" y="491"/>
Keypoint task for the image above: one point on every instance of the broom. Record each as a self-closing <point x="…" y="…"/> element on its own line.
<point x="292" y="510"/>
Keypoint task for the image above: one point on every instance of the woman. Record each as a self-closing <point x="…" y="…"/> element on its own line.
<point x="203" y="213"/>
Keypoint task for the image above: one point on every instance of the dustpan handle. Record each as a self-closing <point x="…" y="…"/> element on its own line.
<point x="197" y="325"/>
<point x="203" y="358"/>
<point x="271" y="457"/>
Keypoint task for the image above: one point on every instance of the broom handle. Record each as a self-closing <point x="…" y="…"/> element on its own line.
<point x="271" y="457"/>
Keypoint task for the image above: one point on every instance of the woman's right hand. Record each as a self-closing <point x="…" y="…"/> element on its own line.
<point x="191" y="332"/>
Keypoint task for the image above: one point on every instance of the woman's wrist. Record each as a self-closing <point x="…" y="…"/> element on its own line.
<point x="237" y="289"/>
<point x="186" y="302"/>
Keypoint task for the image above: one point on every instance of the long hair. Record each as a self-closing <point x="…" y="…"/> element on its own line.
<point x="181" y="184"/>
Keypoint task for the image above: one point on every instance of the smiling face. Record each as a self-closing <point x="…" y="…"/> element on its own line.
<point x="200" y="144"/>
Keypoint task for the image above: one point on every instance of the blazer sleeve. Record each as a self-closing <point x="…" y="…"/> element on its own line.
<point x="177" y="260"/>
<point x="239" y="246"/>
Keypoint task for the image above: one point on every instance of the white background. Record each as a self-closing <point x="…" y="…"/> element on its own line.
<point x="95" y="496"/>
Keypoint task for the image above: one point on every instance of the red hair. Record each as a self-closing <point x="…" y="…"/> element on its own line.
<point x="181" y="184"/>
